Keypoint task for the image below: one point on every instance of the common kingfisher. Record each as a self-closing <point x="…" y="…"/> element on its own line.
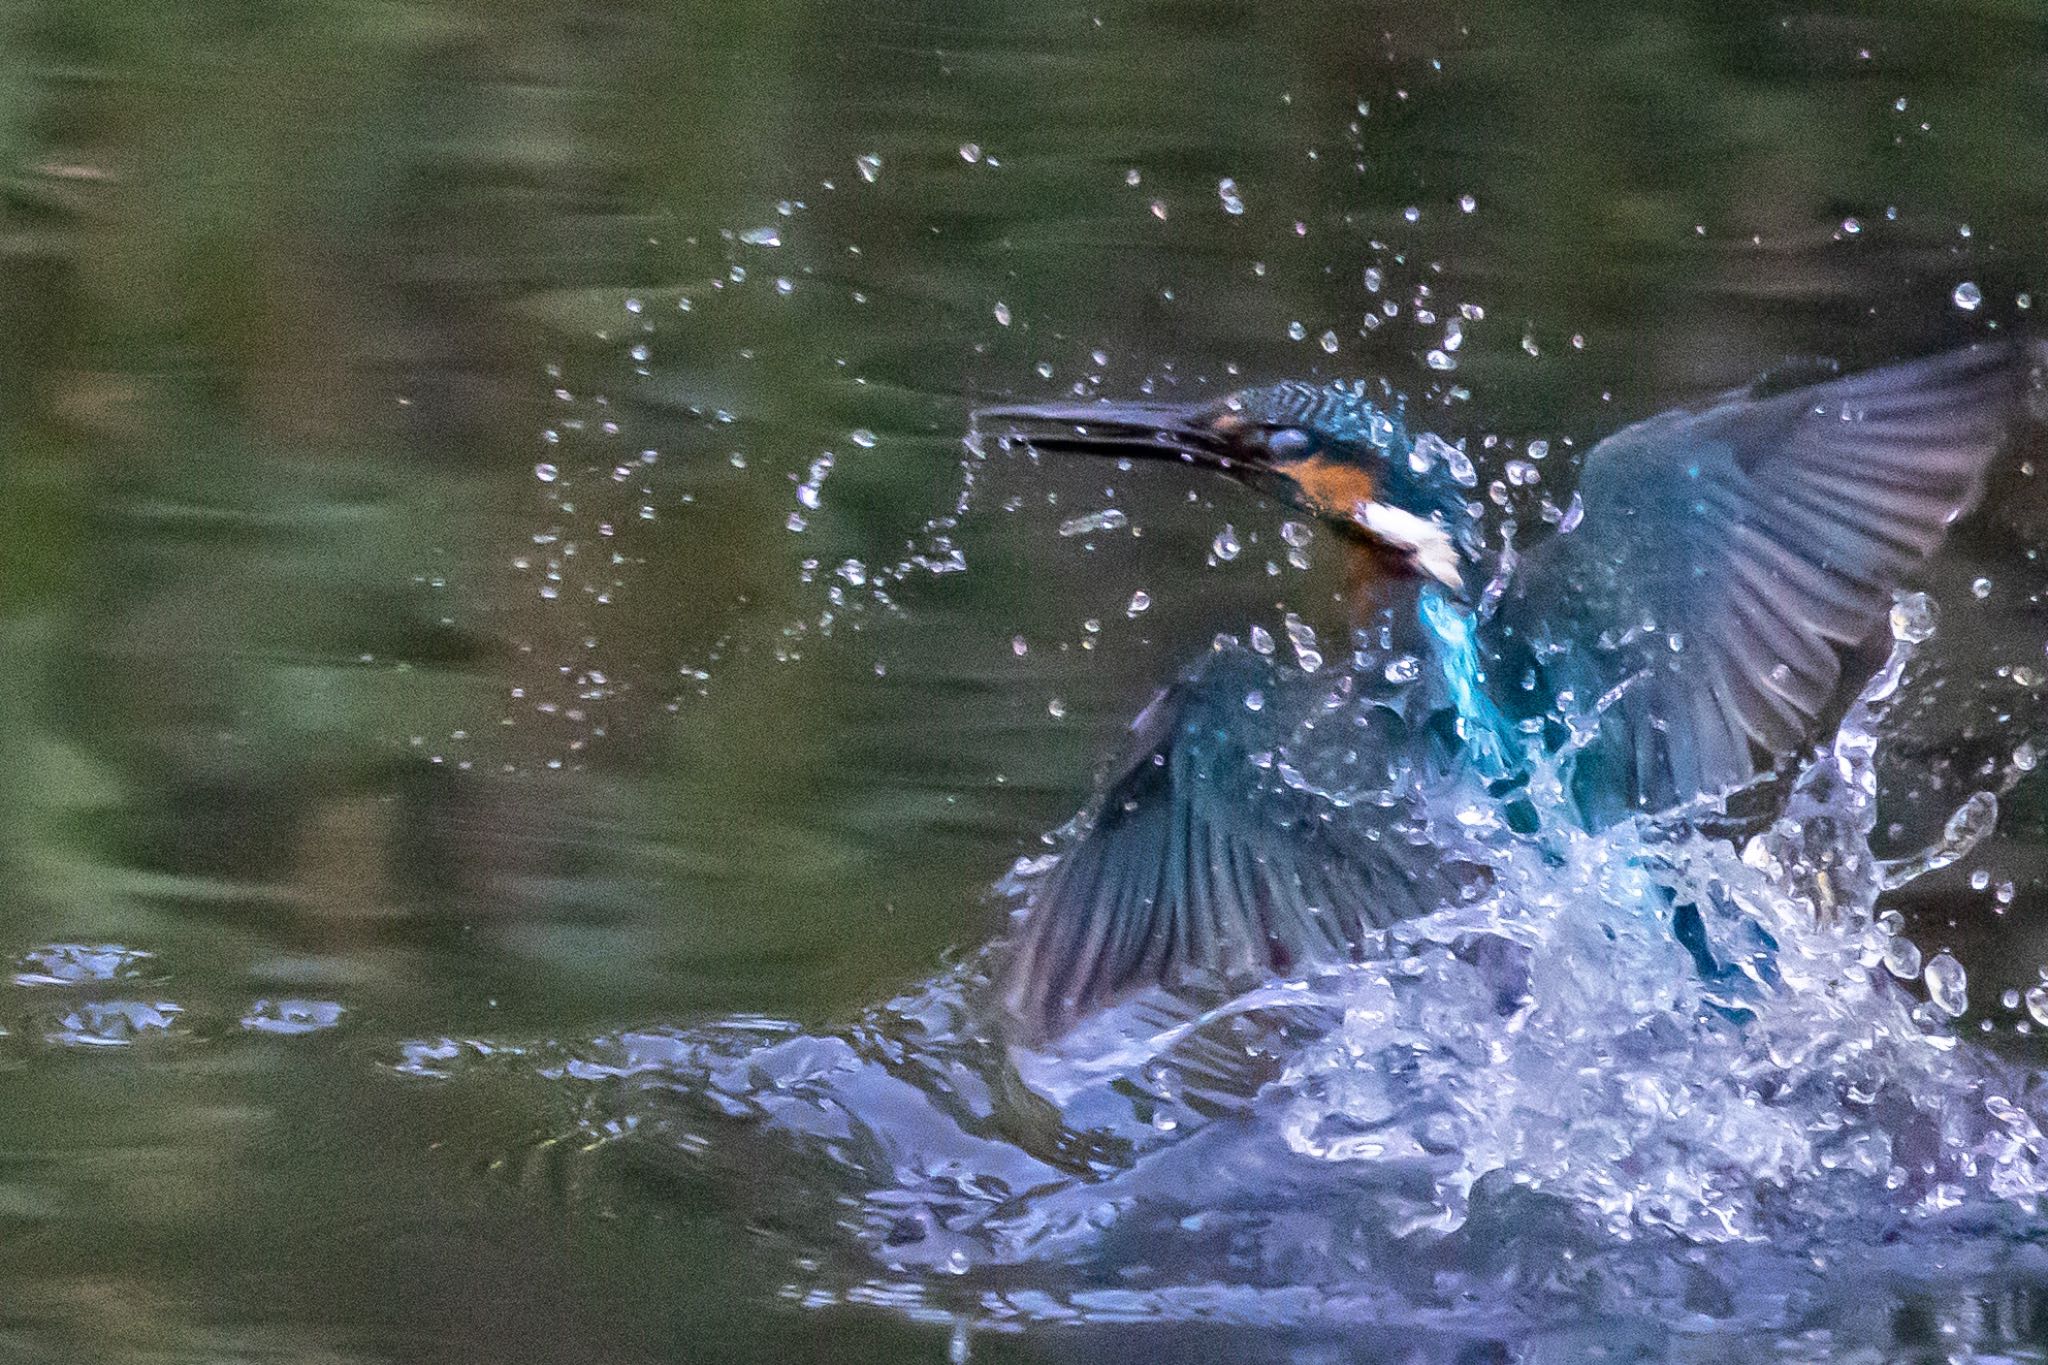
<point x="1691" y="622"/>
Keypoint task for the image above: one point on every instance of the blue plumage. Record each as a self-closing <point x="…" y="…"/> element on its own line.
<point x="1686" y="636"/>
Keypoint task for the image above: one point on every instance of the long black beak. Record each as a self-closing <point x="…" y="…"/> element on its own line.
<point x="1193" y="434"/>
<point x="1142" y="431"/>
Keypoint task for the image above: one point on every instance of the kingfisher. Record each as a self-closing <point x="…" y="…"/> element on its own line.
<point x="1701" y="610"/>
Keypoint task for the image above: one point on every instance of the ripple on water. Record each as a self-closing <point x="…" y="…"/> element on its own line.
<point x="70" y="964"/>
<point x="114" y="1023"/>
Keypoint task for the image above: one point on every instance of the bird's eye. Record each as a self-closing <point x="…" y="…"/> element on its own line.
<point x="1288" y="443"/>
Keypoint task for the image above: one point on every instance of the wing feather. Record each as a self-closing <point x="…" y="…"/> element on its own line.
<point x="1730" y="552"/>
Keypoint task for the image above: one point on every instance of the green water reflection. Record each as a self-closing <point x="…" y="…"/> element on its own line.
<point x="331" y="331"/>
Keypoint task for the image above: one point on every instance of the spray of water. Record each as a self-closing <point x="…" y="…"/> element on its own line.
<point x="1651" y="1069"/>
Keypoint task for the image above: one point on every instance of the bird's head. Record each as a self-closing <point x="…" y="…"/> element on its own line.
<point x="1325" y="449"/>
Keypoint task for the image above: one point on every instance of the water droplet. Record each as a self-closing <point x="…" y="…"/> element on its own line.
<point x="1430" y="448"/>
<point x="1406" y="669"/>
<point x="1374" y="279"/>
<point x="1056" y="708"/>
<point x="970" y="152"/>
<point x="1262" y="639"/>
<point x="1967" y="296"/>
<point x="1233" y="202"/>
<point x="762" y="236"/>
<point x="1226" y="545"/>
<point x="1330" y="343"/>
<point x="1002" y="311"/>
<point x="863" y="438"/>
<point x="1913" y="618"/>
<point x="546" y="473"/>
<point x="1159" y="209"/>
<point x="1850" y="227"/>
<point x="1297" y="331"/>
<point x="1438" y="360"/>
<point x="1018" y="646"/>
<point x="1411" y="214"/>
<point x="869" y="165"/>
<point x="1140" y="602"/>
<point x="1947" y="985"/>
<point x="1902" y="957"/>
<point x="1295" y="533"/>
<point x="1538" y="449"/>
<point x="1255" y="701"/>
<point x="2037" y="1003"/>
<point x="1307" y="649"/>
<point x="1467" y="203"/>
<point x="1132" y="178"/>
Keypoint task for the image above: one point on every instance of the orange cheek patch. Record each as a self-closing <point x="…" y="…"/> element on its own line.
<point x="1334" y="487"/>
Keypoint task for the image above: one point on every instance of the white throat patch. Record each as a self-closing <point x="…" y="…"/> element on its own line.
<point x="1422" y="540"/>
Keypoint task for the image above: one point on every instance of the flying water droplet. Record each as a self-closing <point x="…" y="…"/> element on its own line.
<point x="546" y="473"/>
<point x="1902" y="957"/>
<point x="1307" y="649"/>
<point x="1002" y="311"/>
<point x="762" y="236"/>
<point x="1233" y="202"/>
<point x="1108" y="519"/>
<point x="1967" y="296"/>
<point x="1913" y="618"/>
<point x="1947" y="985"/>
<point x="1226" y="546"/>
<point x="869" y="165"/>
<point x="1965" y="829"/>
<point x="1140" y="602"/>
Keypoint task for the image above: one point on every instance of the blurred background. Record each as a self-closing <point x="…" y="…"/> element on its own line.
<point x="487" y="554"/>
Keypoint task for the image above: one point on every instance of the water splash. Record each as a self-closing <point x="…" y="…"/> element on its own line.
<point x="1653" y="1073"/>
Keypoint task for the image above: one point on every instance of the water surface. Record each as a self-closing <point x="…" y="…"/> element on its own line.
<point x="428" y="612"/>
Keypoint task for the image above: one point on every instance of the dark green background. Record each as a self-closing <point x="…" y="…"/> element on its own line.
<point x="290" y="296"/>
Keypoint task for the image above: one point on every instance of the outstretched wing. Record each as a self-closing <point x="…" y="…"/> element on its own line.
<point x="1726" y="558"/>
<point x="1203" y="864"/>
